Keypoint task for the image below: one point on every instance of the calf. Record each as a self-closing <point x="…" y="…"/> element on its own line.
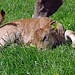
<point x="41" y="32"/>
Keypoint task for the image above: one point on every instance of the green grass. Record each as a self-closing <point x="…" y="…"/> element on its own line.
<point x="20" y="60"/>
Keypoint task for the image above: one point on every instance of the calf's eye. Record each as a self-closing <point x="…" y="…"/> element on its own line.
<point x="44" y="38"/>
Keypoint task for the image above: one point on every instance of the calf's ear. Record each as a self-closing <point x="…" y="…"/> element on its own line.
<point x="3" y="13"/>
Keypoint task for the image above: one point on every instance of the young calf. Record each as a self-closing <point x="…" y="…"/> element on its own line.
<point x="41" y="32"/>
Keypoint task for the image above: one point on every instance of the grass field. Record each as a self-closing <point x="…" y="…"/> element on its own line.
<point x="20" y="60"/>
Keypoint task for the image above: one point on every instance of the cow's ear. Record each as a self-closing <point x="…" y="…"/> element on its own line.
<point x="3" y="13"/>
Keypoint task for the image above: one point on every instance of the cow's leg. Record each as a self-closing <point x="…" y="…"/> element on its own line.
<point x="8" y="34"/>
